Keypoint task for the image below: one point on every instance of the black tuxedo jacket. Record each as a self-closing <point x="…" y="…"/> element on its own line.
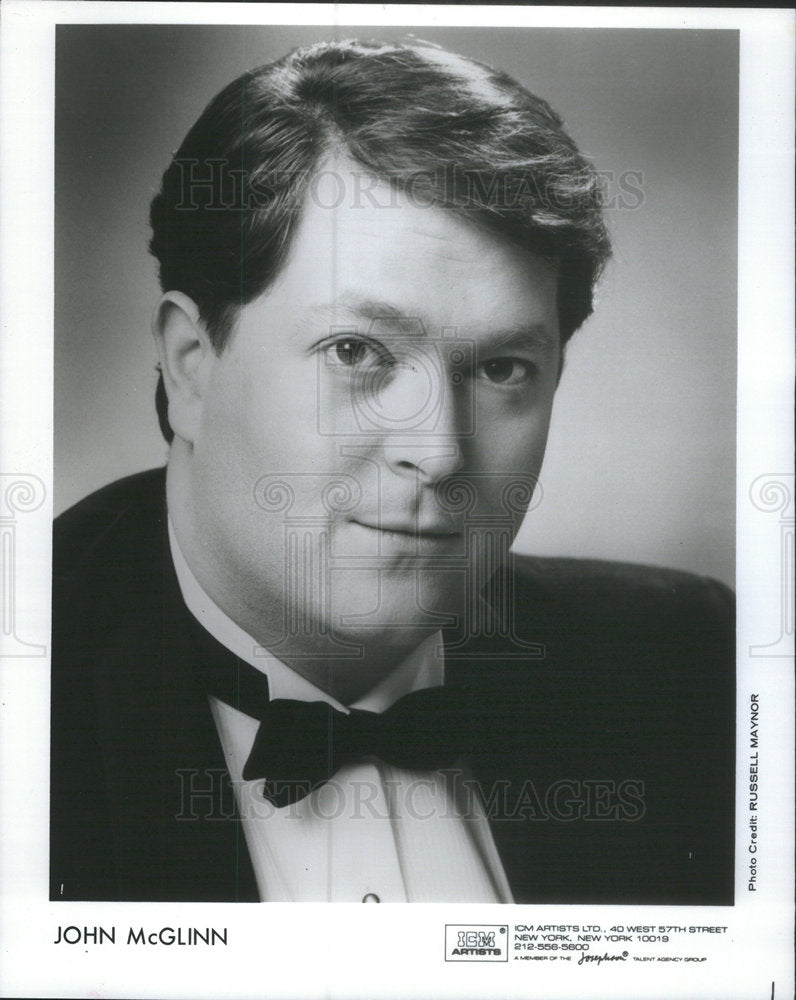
<point x="608" y="777"/>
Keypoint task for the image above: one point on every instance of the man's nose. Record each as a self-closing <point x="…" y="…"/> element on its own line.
<point x="427" y="460"/>
<point x="428" y="448"/>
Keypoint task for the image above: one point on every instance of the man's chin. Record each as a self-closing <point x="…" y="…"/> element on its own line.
<point x="391" y="604"/>
<point x="366" y="615"/>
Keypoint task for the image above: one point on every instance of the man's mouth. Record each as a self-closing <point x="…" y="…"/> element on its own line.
<point x="433" y="530"/>
<point x="429" y="533"/>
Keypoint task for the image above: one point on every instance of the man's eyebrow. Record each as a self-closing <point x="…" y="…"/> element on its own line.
<point x="537" y="336"/>
<point x="372" y="311"/>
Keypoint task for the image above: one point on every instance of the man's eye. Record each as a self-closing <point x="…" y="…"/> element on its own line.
<point x="506" y="371"/>
<point x="349" y="352"/>
<point x="352" y="352"/>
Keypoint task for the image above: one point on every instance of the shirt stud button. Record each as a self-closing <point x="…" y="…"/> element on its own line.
<point x="370" y="897"/>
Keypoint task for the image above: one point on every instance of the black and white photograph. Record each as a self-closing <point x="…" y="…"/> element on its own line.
<point x="396" y="498"/>
<point x="372" y="257"/>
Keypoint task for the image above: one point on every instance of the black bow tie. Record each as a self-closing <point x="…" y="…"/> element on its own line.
<point x="301" y="745"/>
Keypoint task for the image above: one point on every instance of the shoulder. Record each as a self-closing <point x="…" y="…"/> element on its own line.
<point x="592" y="624"/>
<point x="617" y="592"/>
<point x="109" y="551"/>
<point x="118" y="516"/>
<point x="618" y="678"/>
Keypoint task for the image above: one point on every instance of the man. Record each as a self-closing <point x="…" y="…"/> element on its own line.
<point x="303" y="664"/>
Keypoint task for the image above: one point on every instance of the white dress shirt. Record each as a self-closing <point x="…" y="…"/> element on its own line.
<point x="374" y="831"/>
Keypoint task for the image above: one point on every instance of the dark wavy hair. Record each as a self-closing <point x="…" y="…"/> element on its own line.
<point x="445" y="130"/>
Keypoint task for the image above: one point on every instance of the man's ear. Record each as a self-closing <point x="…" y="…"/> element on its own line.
<point x="186" y="359"/>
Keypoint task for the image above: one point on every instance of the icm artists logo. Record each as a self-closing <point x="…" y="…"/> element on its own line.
<point x="476" y="943"/>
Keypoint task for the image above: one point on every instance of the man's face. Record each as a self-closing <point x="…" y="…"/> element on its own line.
<point x="360" y="434"/>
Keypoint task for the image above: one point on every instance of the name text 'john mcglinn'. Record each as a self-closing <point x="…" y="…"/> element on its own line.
<point x="190" y="936"/>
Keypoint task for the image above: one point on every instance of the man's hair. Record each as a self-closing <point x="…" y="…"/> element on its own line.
<point x="444" y="130"/>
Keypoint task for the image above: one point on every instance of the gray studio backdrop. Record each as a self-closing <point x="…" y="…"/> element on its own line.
<point x="641" y="459"/>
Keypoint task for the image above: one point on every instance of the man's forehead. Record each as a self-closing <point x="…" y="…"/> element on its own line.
<point x="345" y="204"/>
<point x="410" y="268"/>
